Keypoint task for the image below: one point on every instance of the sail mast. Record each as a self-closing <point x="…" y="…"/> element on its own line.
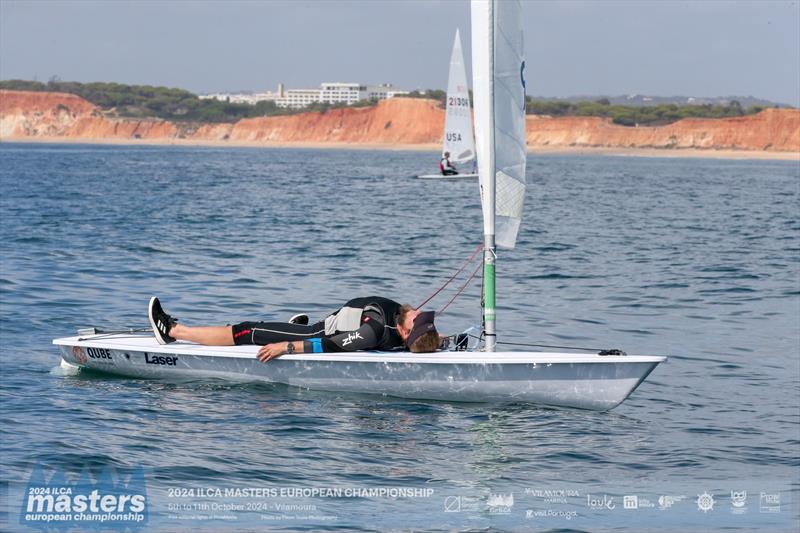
<point x="498" y="68"/>
<point x="483" y="91"/>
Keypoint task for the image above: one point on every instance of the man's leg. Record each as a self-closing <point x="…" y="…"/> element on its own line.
<point x="245" y="333"/>
<point x="208" y="335"/>
<point x="262" y="333"/>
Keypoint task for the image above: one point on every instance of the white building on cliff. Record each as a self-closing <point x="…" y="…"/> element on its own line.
<point x="336" y="93"/>
<point x="328" y="93"/>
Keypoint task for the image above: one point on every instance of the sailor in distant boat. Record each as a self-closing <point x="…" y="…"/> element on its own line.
<point x="446" y="167"/>
<point x="370" y="323"/>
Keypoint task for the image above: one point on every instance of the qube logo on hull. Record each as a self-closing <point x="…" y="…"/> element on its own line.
<point x="99" y="353"/>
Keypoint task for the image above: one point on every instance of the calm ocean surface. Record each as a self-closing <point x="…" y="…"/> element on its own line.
<point x="695" y="259"/>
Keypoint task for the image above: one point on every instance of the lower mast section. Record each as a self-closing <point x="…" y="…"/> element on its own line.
<point x="489" y="258"/>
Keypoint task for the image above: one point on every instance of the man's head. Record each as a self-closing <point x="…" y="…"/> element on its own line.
<point x="416" y="329"/>
<point x="447" y="154"/>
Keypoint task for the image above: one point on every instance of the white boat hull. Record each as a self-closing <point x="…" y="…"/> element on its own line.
<point x="443" y="177"/>
<point x="553" y="379"/>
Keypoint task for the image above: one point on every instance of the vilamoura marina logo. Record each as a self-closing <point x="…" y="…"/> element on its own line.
<point x="108" y="500"/>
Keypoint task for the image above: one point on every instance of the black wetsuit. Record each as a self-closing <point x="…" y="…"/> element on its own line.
<point x="376" y="330"/>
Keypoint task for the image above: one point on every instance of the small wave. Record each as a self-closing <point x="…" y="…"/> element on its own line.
<point x="146" y="249"/>
<point x="635" y="331"/>
<point x="245" y="281"/>
<point x="726" y="290"/>
<point x="30" y="240"/>
<point x="555" y="275"/>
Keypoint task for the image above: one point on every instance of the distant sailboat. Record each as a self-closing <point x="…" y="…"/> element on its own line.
<point x="458" y="138"/>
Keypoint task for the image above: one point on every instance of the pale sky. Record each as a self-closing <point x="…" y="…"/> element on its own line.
<point x="573" y="47"/>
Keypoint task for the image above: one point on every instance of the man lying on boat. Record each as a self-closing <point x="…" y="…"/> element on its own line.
<point x="371" y="323"/>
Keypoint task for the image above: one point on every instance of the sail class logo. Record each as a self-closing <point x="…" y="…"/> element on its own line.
<point x="108" y="500"/>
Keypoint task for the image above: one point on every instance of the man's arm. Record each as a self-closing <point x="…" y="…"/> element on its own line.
<point x="364" y="338"/>
<point x="277" y="349"/>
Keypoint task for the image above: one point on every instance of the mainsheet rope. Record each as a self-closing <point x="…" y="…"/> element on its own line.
<point x="454" y="276"/>
<point x="464" y="286"/>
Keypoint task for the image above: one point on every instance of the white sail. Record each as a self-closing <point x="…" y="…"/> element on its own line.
<point x="498" y="66"/>
<point x="458" y="139"/>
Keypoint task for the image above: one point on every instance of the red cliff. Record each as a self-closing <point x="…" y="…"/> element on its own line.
<point x="776" y="130"/>
<point x="398" y="121"/>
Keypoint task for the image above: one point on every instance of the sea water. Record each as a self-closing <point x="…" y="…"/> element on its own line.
<point x="692" y="258"/>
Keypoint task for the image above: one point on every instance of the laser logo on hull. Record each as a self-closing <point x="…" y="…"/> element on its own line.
<point x="164" y="360"/>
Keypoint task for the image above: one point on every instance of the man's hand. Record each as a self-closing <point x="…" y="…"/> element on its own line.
<point x="272" y="351"/>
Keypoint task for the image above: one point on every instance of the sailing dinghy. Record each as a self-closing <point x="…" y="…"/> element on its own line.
<point x="586" y="381"/>
<point x="458" y="138"/>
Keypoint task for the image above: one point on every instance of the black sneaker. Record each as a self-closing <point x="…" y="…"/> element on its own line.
<point x="160" y="321"/>
<point x="301" y="319"/>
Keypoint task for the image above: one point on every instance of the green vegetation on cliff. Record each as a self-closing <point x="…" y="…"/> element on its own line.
<point x="429" y="94"/>
<point x="139" y="101"/>
<point x="148" y="101"/>
<point x="181" y="105"/>
<point x="637" y="115"/>
<point x="625" y="115"/>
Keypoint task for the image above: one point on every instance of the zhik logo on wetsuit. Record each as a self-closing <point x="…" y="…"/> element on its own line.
<point x="351" y="337"/>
